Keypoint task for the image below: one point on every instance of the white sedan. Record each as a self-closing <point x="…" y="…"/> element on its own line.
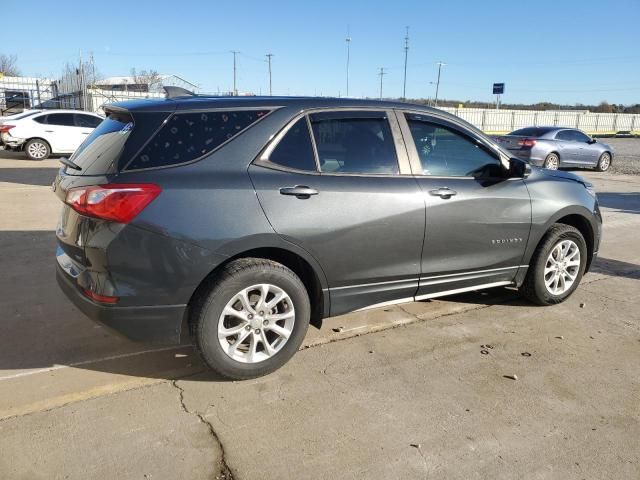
<point x="43" y="132"/>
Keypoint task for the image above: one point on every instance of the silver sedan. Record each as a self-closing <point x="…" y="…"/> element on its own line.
<point x="555" y="147"/>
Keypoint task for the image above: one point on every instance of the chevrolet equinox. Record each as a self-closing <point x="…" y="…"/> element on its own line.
<point x="237" y="222"/>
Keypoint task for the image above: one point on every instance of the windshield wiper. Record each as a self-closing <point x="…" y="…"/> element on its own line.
<point x="68" y="163"/>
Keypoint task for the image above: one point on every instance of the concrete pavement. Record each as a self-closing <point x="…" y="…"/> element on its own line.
<point x="401" y="392"/>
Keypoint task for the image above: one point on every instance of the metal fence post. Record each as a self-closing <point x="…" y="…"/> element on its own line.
<point x="555" y="120"/>
<point x="633" y="123"/>
<point x="484" y="112"/>
<point x="513" y="120"/>
<point x="535" y="119"/>
<point x="615" y="122"/>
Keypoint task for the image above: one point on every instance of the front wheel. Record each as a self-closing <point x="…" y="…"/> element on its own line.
<point x="252" y="319"/>
<point x="552" y="162"/>
<point x="604" y="162"/>
<point x="557" y="266"/>
<point x="37" y="149"/>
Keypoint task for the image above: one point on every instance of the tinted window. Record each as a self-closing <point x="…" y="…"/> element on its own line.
<point x="41" y="119"/>
<point x="104" y="145"/>
<point x="188" y="136"/>
<point x="61" y="119"/>
<point x="86" y="121"/>
<point x="295" y="149"/>
<point x="580" y="137"/>
<point x="354" y="142"/>
<point x="563" y="135"/>
<point x="446" y="152"/>
<point x="530" y="132"/>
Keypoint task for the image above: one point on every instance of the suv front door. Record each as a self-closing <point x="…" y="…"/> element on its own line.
<point x="478" y="220"/>
<point x="338" y="184"/>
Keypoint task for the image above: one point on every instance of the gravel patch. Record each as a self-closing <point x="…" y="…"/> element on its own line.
<point x="627" y="155"/>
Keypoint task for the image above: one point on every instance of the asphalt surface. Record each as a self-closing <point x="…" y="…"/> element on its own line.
<point x="412" y="391"/>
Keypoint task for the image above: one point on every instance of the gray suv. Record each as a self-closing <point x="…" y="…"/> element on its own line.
<point x="237" y="222"/>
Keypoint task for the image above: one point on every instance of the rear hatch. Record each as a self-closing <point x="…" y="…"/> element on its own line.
<point x="511" y="142"/>
<point x="98" y="161"/>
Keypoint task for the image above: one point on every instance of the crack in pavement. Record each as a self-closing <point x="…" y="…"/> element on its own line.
<point x="225" y="471"/>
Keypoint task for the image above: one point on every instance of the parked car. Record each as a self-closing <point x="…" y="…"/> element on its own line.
<point x="45" y="132"/>
<point x="554" y="147"/>
<point x="240" y="221"/>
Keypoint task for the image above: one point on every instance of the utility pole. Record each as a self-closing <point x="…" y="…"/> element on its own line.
<point x="406" y="54"/>
<point x="381" y="73"/>
<point x="235" y="90"/>
<point x="348" y="40"/>
<point x="440" y="65"/>
<point x="269" y="55"/>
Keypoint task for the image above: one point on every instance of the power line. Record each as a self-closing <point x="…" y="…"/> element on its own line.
<point x="406" y="54"/>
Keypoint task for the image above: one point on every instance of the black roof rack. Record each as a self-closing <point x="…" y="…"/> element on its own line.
<point x="177" y="92"/>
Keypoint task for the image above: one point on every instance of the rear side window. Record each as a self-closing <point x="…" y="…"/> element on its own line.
<point x="354" y="142"/>
<point x="295" y="149"/>
<point x="86" y="121"/>
<point x="188" y="136"/>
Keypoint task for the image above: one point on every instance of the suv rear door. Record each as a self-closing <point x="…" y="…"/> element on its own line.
<point x="338" y="184"/>
<point x="477" y="220"/>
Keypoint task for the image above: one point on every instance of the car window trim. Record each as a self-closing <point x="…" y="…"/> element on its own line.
<point x="269" y="109"/>
<point x="402" y="157"/>
<point x="433" y="117"/>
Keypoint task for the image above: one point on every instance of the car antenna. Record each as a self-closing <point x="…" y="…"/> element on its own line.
<point x="176" y="92"/>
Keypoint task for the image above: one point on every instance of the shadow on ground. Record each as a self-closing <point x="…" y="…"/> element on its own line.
<point x="40" y="328"/>
<point x="29" y="176"/>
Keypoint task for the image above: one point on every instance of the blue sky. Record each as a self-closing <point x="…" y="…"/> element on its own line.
<point x="567" y="51"/>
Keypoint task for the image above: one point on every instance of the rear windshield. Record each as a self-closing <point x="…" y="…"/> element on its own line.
<point x="530" y="132"/>
<point x="103" y="147"/>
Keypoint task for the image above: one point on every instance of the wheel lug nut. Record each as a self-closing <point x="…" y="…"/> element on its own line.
<point x="266" y="322"/>
<point x="248" y="327"/>
<point x="250" y="316"/>
<point x="257" y="331"/>
<point x="261" y="313"/>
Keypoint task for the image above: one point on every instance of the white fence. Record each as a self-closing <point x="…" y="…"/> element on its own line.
<point x="502" y="121"/>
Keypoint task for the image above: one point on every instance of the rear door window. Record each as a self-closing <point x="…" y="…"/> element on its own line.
<point x="295" y="149"/>
<point x="354" y="142"/>
<point x="190" y="135"/>
<point x="61" y="119"/>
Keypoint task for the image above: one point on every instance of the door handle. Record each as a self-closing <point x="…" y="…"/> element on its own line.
<point x="49" y="131"/>
<point x="443" y="192"/>
<point x="300" y="191"/>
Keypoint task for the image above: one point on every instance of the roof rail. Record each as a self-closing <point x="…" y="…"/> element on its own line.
<point x="176" y="92"/>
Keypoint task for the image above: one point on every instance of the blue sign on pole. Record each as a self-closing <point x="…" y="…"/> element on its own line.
<point x="498" y="88"/>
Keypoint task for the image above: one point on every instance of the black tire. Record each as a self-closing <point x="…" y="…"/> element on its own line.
<point x="534" y="287"/>
<point x="233" y="278"/>
<point x="552" y="162"/>
<point x="37" y="145"/>
<point x="604" y="162"/>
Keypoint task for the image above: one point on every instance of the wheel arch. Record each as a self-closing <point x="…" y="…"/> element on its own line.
<point x="42" y="139"/>
<point x="577" y="219"/>
<point x="301" y="263"/>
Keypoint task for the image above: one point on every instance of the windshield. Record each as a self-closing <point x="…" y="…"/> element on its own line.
<point x="103" y="147"/>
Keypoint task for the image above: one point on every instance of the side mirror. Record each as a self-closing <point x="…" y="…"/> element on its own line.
<point x="592" y="141"/>
<point x="519" y="168"/>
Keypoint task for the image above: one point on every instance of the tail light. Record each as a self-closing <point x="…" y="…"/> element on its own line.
<point x="116" y="202"/>
<point x="6" y="128"/>
<point x="100" y="298"/>
<point x="527" y="142"/>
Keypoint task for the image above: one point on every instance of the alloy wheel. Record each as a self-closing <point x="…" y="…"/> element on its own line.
<point x="605" y="161"/>
<point x="552" y="162"/>
<point x="562" y="267"/>
<point x="256" y="323"/>
<point x="37" y="150"/>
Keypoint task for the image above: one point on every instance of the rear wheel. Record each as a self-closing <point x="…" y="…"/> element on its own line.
<point x="604" y="162"/>
<point x="37" y="149"/>
<point x="557" y="266"/>
<point x="552" y="162"/>
<point x="252" y="319"/>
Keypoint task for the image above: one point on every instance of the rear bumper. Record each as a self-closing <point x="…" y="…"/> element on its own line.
<point x="160" y="324"/>
<point x="10" y="141"/>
